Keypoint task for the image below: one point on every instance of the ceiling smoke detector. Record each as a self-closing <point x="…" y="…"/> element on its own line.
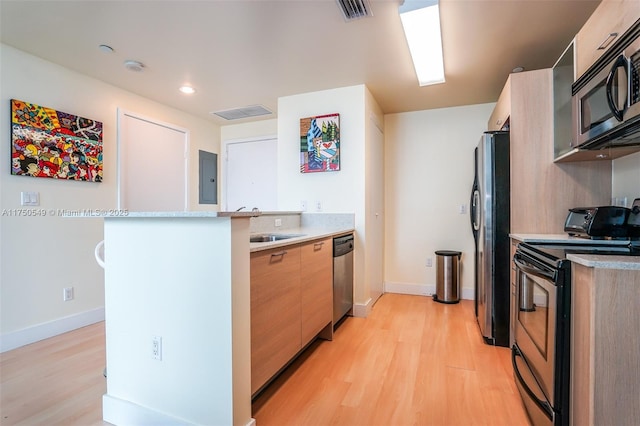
<point x="355" y="9"/>
<point x="134" y="66"/>
<point x="244" y="112"/>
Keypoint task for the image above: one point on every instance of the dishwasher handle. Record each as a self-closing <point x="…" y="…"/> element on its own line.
<point x="342" y="245"/>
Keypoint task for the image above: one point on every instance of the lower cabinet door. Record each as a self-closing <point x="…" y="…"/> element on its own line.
<point x="275" y="311"/>
<point x="316" y="282"/>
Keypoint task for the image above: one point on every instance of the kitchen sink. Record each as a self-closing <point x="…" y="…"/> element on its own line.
<point x="265" y="238"/>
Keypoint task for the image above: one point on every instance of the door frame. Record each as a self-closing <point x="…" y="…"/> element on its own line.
<point x="122" y="113"/>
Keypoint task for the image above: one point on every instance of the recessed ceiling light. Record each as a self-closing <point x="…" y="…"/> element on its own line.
<point x="105" y="49"/>
<point x="518" y="69"/>
<point x="133" y="65"/>
<point x="187" y="90"/>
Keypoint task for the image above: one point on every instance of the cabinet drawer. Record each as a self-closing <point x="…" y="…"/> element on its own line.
<point x="316" y="281"/>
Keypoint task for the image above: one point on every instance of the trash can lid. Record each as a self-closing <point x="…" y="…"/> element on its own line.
<point x="448" y="253"/>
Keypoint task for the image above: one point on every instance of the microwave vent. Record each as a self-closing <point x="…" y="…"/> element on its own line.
<point x="355" y="9"/>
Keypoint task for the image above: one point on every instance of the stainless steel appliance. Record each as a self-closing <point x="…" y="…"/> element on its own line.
<point x="541" y="349"/>
<point x="606" y="99"/>
<point x="490" y="221"/>
<point x="342" y="276"/>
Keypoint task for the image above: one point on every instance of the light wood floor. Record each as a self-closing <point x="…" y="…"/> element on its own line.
<point x="57" y="381"/>
<point x="411" y="362"/>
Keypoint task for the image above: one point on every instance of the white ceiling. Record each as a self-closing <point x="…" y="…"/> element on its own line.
<point x="238" y="52"/>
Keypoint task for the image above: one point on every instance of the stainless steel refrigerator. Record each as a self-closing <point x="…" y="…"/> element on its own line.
<point x="490" y="226"/>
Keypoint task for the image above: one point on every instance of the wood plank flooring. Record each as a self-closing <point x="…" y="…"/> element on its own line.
<point x="411" y="362"/>
<point x="57" y="381"/>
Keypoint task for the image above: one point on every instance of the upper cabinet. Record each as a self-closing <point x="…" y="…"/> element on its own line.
<point x="527" y="102"/>
<point x="608" y="22"/>
<point x="499" y="119"/>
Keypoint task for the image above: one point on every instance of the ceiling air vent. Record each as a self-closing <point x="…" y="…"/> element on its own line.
<point x="355" y="9"/>
<point x="244" y="112"/>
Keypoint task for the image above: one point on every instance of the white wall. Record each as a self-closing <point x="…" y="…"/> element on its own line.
<point x="338" y="192"/>
<point x="254" y="129"/>
<point x="42" y="255"/>
<point x="626" y="178"/>
<point x="429" y="173"/>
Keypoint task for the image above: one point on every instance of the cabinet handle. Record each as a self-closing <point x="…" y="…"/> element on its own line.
<point x="279" y="254"/>
<point x="607" y="41"/>
<point x="318" y="246"/>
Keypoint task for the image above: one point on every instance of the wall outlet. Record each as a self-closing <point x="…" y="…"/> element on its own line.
<point x="67" y="294"/>
<point x="462" y="209"/>
<point x="156" y="348"/>
<point x="303" y="205"/>
<point x="278" y="222"/>
<point x="318" y="206"/>
<point x="429" y="262"/>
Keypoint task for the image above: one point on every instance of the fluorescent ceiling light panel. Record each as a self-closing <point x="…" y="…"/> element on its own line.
<point x="422" y="30"/>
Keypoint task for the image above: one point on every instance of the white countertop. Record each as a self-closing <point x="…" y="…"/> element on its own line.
<point x="306" y="234"/>
<point x="606" y="261"/>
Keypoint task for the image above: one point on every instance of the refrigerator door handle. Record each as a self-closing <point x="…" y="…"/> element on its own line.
<point x="475" y="210"/>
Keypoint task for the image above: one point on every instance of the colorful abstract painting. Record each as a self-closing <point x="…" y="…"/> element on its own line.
<point x="320" y="143"/>
<point x="53" y="144"/>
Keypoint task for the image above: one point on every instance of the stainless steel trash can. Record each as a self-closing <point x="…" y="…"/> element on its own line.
<point x="447" y="276"/>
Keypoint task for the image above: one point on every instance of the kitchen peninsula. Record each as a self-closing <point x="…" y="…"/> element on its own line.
<point x="177" y="310"/>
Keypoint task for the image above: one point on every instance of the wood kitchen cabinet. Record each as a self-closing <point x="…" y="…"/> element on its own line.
<point x="291" y="304"/>
<point x="605" y="371"/>
<point x="597" y="34"/>
<point x="275" y="311"/>
<point x="500" y="117"/>
<point x="316" y="280"/>
<point x="542" y="191"/>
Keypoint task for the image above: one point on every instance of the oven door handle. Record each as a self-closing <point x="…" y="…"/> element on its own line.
<point x="530" y="269"/>
<point x="543" y="405"/>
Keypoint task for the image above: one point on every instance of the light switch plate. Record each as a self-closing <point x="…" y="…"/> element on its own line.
<point x="29" y="198"/>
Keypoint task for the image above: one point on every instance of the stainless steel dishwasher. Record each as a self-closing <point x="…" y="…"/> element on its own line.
<point x="342" y="277"/>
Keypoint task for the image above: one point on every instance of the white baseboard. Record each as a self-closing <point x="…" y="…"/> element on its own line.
<point x="362" y="310"/>
<point x="422" y="289"/>
<point x="16" y="339"/>
<point x="120" y="412"/>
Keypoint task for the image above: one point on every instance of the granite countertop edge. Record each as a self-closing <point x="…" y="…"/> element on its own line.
<point x="606" y="261"/>
<point x="122" y="214"/>
<point x="306" y="235"/>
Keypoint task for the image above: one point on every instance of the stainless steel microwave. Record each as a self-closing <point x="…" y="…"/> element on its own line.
<point x="606" y="99"/>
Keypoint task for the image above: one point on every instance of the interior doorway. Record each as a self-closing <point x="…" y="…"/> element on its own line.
<point x="152" y="164"/>
<point x="251" y="174"/>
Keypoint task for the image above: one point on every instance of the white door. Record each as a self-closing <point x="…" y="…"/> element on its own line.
<point x="251" y="174"/>
<point x="152" y="165"/>
<point x="375" y="211"/>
